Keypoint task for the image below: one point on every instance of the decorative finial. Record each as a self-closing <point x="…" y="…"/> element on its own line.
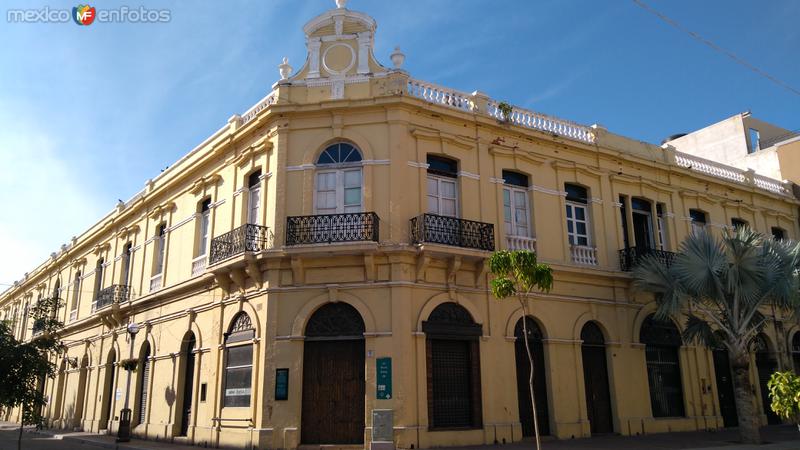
<point x="285" y="68"/>
<point x="341" y="3"/>
<point x="398" y="58"/>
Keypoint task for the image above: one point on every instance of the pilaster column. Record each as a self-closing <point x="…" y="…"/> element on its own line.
<point x="364" y="39"/>
<point x="313" y="57"/>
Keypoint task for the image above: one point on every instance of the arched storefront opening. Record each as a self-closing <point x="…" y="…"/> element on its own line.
<point x="333" y="377"/>
<point x="108" y="389"/>
<point x="766" y="365"/>
<point x="453" y="368"/>
<point x="535" y="336"/>
<point x="662" y="342"/>
<point x="83" y="376"/>
<point x="187" y="386"/>
<point x="595" y="377"/>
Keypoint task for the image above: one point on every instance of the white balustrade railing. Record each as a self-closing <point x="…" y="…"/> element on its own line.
<point x="542" y="122"/>
<point x="439" y="94"/>
<point x="198" y="265"/>
<point x="155" y="282"/>
<point x="582" y="254"/>
<point x="771" y="185"/>
<point x="521" y="243"/>
<point x="709" y="167"/>
<point x="251" y="113"/>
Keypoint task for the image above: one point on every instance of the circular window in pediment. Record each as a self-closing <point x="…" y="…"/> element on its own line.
<point x="338" y="59"/>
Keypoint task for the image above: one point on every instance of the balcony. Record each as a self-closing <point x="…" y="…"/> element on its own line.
<point x="521" y="243"/>
<point x="246" y="238"/>
<point x="430" y="228"/>
<point x="199" y="265"/>
<point x="329" y="228"/>
<point x="582" y="254"/>
<point x="631" y="257"/>
<point x="116" y="293"/>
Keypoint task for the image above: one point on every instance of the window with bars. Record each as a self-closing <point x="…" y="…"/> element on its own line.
<point x="453" y="368"/>
<point x="577" y="215"/>
<point x="239" y="362"/>
<point x="662" y="341"/>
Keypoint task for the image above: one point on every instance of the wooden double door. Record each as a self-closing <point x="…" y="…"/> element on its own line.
<point x="333" y="377"/>
<point x="333" y="392"/>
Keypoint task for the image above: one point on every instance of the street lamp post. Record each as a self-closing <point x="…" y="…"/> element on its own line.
<point x="124" y="431"/>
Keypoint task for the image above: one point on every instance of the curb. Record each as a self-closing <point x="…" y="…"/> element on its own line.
<point x="87" y="440"/>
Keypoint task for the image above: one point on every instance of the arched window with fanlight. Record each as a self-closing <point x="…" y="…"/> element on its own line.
<point x="662" y="342"/>
<point x="239" y="361"/>
<point x="338" y="180"/>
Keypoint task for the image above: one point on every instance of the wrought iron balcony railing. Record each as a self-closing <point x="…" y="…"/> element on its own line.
<point x="631" y="257"/>
<point x="246" y="238"/>
<point x="452" y="231"/>
<point x="328" y="228"/>
<point x="116" y="293"/>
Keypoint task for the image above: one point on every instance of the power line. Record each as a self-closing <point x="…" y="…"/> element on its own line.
<point x="716" y="47"/>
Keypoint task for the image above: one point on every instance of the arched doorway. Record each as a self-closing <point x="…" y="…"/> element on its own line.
<point x="108" y="389"/>
<point x="595" y="377"/>
<point x="453" y="368"/>
<point x="143" y="382"/>
<point x="81" y="396"/>
<point x="58" y="412"/>
<point x="724" y="377"/>
<point x="333" y="377"/>
<point x="796" y="351"/>
<point x="766" y="365"/>
<point x="187" y="391"/>
<point x="539" y="378"/>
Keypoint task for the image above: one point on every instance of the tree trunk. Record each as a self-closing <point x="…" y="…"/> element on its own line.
<point x="19" y="439"/>
<point x="530" y="377"/>
<point x="749" y="418"/>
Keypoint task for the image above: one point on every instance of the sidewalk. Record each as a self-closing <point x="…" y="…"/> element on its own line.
<point x="96" y="440"/>
<point x="778" y="437"/>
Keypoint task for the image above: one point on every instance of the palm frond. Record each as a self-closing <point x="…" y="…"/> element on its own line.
<point x="651" y="275"/>
<point x="699" y="265"/>
<point x="699" y="331"/>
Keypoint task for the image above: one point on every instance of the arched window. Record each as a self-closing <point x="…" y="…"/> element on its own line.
<point x="662" y="341"/>
<point x="144" y="383"/>
<point x="239" y="361"/>
<point x="453" y="365"/>
<point x="57" y="289"/>
<point x="254" y="197"/>
<point x="338" y="180"/>
<point x="516" y="210"/>
<point x="76" y="295"/>
<point x="160" y="248"/>
<point x="98" y="277"/>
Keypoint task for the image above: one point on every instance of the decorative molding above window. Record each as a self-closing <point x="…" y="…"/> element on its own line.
<point x="203" y="184"/>
<point x="162" y="210"/>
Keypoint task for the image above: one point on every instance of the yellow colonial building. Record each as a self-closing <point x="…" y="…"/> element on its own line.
<point x="315" y="273"/>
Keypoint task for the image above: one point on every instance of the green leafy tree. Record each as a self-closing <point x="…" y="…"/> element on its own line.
<point x="24" y="365"/>
<point x="784" y="394"/>
<point x="516" y="275"/>
<point x="726" y="285"/>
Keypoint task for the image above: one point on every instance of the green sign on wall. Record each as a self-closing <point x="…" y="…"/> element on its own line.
<point x="383" y="368"/>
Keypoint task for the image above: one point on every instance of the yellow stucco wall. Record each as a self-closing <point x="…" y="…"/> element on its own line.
<point x="394" y="284"/>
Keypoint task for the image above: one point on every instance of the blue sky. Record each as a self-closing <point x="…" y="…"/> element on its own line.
<point x="87" y="114"/>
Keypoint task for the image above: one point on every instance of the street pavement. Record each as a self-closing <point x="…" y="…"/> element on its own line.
<point x="778" y="437"/>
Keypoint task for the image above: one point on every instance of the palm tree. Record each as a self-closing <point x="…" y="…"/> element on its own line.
<point x="517" y="274"/>
<point x="726" y="285"/>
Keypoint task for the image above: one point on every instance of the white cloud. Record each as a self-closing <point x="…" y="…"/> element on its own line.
<point x="45" y="202"/>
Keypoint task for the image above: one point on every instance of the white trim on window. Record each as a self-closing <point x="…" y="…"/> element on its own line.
<point x="516" y="211"/>
<point x="339" y="190"/>
<point x="578" y="217"/>
<point x="442" y="195"/>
